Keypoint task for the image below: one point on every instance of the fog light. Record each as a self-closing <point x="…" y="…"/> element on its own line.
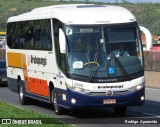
<point x="73" y="101"/>
<point x="142" y="98"/>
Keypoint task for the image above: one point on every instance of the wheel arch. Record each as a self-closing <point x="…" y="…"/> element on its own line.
<point x="51" y="87"/>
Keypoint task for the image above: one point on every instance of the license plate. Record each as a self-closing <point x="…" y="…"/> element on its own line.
<point x="109" y="101"/>
<point x="4" y="79"/>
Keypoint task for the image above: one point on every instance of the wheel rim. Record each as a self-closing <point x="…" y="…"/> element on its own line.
<point x="21" y="92"/>
<point x="55" y="103"/>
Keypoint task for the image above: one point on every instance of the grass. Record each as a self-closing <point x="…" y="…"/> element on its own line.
<point x="8" y="111"/>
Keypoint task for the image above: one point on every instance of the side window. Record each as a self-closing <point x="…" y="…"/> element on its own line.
<point x="46" y="34"/>
<point x="21" y="34"/>
<point x="10" y="34"/>
<point x="29" y="34"/>
<point x="61" y="59"/>
<point x="33" y="34"/>
<point x="37" y="34"/>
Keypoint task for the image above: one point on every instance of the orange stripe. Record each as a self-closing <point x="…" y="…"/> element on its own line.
<point x="39" y="86"/>
<point x="33" y="85"/>
<point x="14" y="59"/>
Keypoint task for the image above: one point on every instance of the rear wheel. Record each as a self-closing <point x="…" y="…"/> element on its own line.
<point x="22" y="98"/>
<point x="57" y="109"/>
<point x="120" y="110"/>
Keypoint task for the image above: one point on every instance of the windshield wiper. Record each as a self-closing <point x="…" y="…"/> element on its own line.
<point x="121" y="66"/>
<point x="92" y="70"/>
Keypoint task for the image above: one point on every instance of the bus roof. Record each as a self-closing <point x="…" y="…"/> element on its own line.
<point x="79" y="14"/>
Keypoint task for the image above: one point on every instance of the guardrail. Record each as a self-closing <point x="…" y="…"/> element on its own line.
<point x="152" y="61"/>
<point x="2" y="54"/>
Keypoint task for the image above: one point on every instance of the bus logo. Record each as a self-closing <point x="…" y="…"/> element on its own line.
<point x="38" y="60"/>
<point x="109" y="93"/>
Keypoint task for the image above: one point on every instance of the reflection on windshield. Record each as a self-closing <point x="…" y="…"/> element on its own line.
<point x="83" y="45"/>
<point x="91" y="50"/>
<point x="122" y="42"/>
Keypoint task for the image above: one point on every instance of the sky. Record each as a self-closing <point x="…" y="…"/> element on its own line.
<point x="132" y="1"/>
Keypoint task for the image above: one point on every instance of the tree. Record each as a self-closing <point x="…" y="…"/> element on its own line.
<point x="87" y="1"/>
<point x="124" y="1"/>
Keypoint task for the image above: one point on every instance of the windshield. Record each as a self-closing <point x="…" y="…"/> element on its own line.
<point x="102" y="51"/>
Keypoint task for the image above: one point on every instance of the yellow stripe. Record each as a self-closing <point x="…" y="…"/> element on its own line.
<point x="3" y="33"/>
<point x="14" y="59"/>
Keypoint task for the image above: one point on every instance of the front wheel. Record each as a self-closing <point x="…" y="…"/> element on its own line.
<point x="57" y="109"/>
<point x="120" y="110"/>
<point x="22" y="98"/>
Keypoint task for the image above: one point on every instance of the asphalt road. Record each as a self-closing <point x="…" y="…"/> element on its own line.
<point x="96" y="117"/>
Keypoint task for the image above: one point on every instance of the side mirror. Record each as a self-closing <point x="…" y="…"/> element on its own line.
<point x="148" y="35"/>
<point x="62" y="41"/>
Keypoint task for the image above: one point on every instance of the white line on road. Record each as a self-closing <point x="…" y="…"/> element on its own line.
<point x="153" y="115"/>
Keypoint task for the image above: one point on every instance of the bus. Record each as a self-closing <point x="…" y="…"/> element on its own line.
<point x="3" y="71"/>
<point x="2" y="36"/>
<point x="2" y="45"/>
<point x="64" y="55"/>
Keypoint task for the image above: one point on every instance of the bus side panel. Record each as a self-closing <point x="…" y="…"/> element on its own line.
<point x="38" y="86"/>
<point x="14" y="59"/>
<point x="14" y="68"/>
<point x="12" y="84"/>
<point x="62" y="97"/>
<point x="32" y="95"/>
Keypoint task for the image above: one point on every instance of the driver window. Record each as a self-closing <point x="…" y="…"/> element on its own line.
<point x="61" y="58"/>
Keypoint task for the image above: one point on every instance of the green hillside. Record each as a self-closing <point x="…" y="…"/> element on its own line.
<point x="147" y="15"/>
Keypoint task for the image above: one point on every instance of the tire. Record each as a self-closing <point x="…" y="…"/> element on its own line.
<point x="22" y="98"/>
<point x="120" y="110"/>
<point x="57" y="109"/>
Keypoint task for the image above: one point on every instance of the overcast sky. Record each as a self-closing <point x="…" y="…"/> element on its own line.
<point x="132" y="1"/>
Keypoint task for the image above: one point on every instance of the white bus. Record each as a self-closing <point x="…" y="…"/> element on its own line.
<point x="66" y="55"/>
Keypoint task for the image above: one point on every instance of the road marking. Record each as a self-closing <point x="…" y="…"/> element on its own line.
<point x="146" y="113"/>
<point x="151" y="114"/>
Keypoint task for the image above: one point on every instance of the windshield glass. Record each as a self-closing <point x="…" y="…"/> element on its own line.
<point x="103" y="51"/>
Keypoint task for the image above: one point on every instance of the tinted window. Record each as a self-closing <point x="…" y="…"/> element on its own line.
<point x="34" y="35"/>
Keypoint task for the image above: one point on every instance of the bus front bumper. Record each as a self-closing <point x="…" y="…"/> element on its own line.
<point x="77" y="100"/>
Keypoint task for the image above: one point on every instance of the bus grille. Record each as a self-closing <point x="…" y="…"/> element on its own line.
<point x="115" y="93"/>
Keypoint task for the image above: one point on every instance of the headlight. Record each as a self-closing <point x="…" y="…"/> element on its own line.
<point x="139" y="86"/>
<point x="77" y="89"/>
